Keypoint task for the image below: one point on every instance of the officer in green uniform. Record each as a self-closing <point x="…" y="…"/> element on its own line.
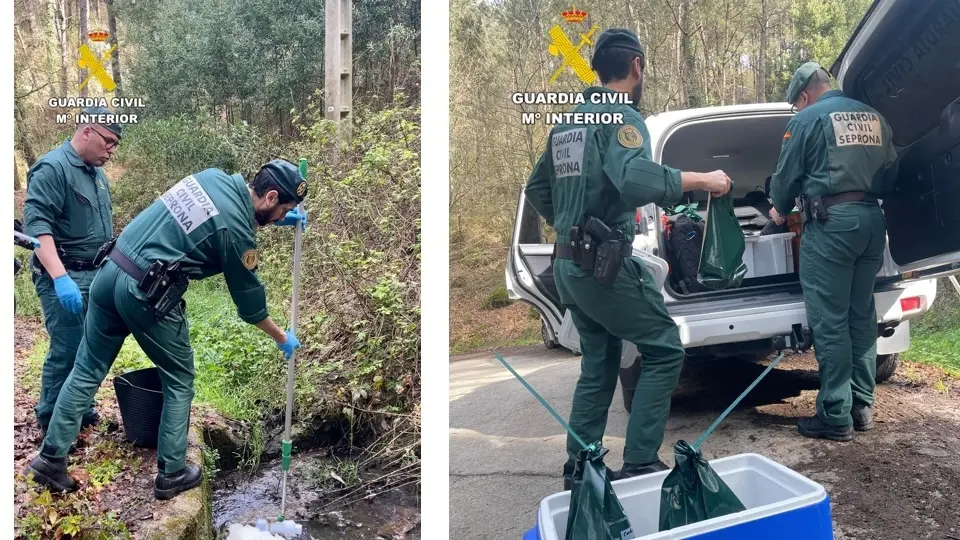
<point x="202" y="226"/>
<point x="838" y="158"/>
<point x="605" y="172"/>
<point x="68" y="209"/>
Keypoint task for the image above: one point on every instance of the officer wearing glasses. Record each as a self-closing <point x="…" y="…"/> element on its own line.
<point x="68" y="209"/>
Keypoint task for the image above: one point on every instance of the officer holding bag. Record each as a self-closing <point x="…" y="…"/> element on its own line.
<point x="202" y="226"/>
<point x="838" y="158"/>
<point x="587" y="185"/>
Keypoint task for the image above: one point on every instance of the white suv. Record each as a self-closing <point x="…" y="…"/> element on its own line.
<point x="902" y="61"/>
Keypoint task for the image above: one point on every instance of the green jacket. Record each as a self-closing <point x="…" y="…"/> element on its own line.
<point x="600" y="170"/>
<point x="70" y="201"/>
<point x="834" y="146"/>
<point x="206" y="222"/>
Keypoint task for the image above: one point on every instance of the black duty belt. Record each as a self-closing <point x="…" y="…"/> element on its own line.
<point x="850" y="196"/>
<point x="126" y="264"/>
<point x="70" y="263"/>
<point x="565" y="251"/>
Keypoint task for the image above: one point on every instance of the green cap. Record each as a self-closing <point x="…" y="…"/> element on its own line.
<point x="288" y="177"/>
<point x="104" y="117"/>
<point x="800" y="79"/>
<point x="618" y="37"/>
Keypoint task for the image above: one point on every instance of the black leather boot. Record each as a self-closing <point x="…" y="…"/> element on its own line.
<point x="51" y="473"/>
<point x="91" y="418"/>
<point x="814" y="428"/>
<point x="862" y="417"/>
<point x="170" y="485"/>
<point x="568" y="475"/>
<point x="630" y="470"/>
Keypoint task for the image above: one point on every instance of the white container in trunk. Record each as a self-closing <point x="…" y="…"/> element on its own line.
<point x="768" y="255"/>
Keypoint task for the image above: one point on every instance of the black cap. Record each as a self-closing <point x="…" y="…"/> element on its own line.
<point x="288" y="177"/>
<point x="104" y="117"/>
<point x="618" y="37"/>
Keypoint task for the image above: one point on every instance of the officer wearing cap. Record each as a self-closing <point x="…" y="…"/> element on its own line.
<point x="202" y="226"/>
<point x="68" y="209"/>
<point x="606" y="172"/>
<point x="838" y="158"/>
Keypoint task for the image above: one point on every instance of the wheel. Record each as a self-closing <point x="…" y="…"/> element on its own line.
<point x="887" y="364"/>
<point x="628" y="382"/>
<point x="548" y="342"/>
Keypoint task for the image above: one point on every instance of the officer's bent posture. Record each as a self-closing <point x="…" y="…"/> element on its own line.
<point x="68" y="209"/>
<point x="202" y="226"/>
<point x="587" y="185"/>
<point x="838" y="158"/>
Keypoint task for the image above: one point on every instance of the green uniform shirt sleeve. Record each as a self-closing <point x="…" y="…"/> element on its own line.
<point x="46" y="192"/>
<point x="538" y="190"/>
<point x="247" y="291"/>
<point x="639" y="180"/>
<point x="787" y="182"/>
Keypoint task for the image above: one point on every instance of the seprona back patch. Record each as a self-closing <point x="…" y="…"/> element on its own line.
<point x="189" y="204"/>
<point x="857" y="128"/>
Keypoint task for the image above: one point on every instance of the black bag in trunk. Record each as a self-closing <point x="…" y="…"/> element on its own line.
<point x="686" y="242"/>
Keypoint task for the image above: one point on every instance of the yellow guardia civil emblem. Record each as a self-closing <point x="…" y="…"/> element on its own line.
<point x="630" y="137"/>
<point x="250" y="259"/>
<point x="301" y="189"/>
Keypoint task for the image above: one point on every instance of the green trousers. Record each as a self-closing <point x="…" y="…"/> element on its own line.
<point x="839" y="262"/>
<point x="632" y="309"/>
<point x="118" y="308"/>
<point x="65" y="330"/>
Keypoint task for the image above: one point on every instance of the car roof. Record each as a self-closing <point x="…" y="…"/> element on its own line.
<point x="657" y="124"/>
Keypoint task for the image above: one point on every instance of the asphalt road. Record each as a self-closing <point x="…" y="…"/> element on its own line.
<point x="900" y="481"/>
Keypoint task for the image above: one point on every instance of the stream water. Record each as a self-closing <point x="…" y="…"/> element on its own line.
<point x="241" y="498"/>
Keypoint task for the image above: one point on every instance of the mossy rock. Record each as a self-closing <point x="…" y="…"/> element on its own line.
<point x="497" y="299"/>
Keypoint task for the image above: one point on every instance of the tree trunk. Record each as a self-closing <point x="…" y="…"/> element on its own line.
<point x="60" y="32"/>
<point x="115" y="58"/>
<point x="762" y="57"/>
<point x="21" y="128"/>
<point x="688" y="61"/>
<point x="96" y="12"/>
<point x="82" y="10"/>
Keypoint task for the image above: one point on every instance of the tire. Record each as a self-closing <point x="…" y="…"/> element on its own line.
<point x="545" y="336"/>
<point x="887" y="365"/>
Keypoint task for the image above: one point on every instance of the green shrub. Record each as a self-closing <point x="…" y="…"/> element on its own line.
<point x="497" y="299"/>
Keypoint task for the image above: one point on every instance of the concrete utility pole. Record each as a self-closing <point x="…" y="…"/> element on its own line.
<point x="338" y="55"/>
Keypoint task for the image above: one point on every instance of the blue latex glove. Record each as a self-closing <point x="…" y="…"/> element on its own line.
<point x="292" y="218"/>
<point x="288" y="346"/>
<point x="69" y="294"/>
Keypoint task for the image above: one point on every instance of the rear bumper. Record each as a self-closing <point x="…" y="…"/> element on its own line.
<point x="762" y="322"/>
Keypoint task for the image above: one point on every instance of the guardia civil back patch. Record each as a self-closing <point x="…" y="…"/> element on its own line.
<point x="857" y="128"/>
<point x="189" y="204"/>
<point x="567" y="150"/>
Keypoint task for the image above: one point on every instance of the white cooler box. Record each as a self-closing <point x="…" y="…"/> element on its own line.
<point x="781" y="504"/>
<point x="768" y="255"/>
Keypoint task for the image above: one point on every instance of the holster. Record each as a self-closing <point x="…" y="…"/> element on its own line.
<point x="164" y="285"/>
<point x="610" y="246"/>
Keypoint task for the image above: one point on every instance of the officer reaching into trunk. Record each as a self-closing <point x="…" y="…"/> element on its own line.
<point x="68" y="209"/>
<point x="202" y="226"/>
<point x="587" y="185"/>
<point x="838" y="158"/>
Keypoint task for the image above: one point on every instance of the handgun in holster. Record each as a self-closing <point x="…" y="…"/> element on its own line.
<point x="609" y="246"/>
<point x="164" y="285"/>
<point x="813" y="208"/>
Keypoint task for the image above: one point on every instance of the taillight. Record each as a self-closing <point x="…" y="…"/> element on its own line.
<point x="910" y="304"/>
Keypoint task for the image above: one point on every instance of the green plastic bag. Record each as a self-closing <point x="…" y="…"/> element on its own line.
<point x="693" y="491"/>
<point x="721" y="258"/>
<point x="595" y="512"/>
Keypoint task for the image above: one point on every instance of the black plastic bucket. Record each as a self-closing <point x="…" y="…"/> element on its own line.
<point x="140" y="397"/>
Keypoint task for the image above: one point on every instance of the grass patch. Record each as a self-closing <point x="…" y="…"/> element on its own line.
<point x="34" y="371"/>
<point x="24" y="293"/>
<point x="935" y="337"/>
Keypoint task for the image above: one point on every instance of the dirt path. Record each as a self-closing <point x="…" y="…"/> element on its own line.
<point x="900" y="481"/>
<point x="116" y="478"/>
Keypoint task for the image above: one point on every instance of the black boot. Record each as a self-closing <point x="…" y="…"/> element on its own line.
<point x="91" y="418"/>
<point x="814" y="428"/>
<point x="52" y="473"/>
<point x="170" y="485"/>
<point x="568" y="475"/>
<point x="630" y="470"/>
<point x="862" y="417"/>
